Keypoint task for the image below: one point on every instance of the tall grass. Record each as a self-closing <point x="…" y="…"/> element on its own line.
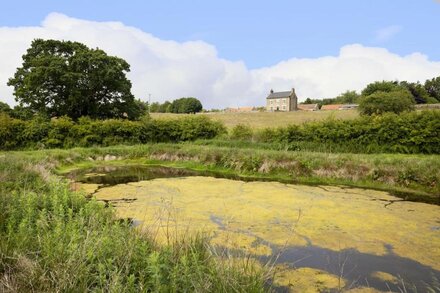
<point x="414" y="177"/>
<point x="53" y="240"/>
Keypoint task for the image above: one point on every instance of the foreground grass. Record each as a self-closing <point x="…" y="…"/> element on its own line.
<point x="260" y="120"/>
<point x="52" y="240"/>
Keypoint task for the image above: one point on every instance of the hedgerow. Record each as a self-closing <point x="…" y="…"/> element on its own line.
<point x="65" y="133"/>
<point x="413" y="132"/>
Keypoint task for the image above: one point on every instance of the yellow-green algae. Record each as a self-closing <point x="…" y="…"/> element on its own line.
<point x="386" y="277"/>
<point x="307" y="280"/>
<point x="88" y="188"/>
<point x="330" y="217"/>
<point x="245" y="215"/>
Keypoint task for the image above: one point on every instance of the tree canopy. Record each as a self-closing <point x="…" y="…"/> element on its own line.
<point x="381" y="86"/>
<point x="67" y="78"/>
<point x="432" y="86"/>
<point x="379" y="102"/>
<point x="182" y="106"/>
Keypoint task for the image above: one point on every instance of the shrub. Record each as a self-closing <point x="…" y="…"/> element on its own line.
<point x="241" y="132"/>
<point x="380" y="102"/>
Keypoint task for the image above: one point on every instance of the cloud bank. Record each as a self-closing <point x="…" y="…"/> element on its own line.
<point x="168" y="69"/>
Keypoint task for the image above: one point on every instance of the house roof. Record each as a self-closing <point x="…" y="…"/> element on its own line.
<point x="279" y="95"/>
<point x="331" y="107"/>
<point x="308" y="106"/>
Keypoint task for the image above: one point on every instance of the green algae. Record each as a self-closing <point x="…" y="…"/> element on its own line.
<point x="255" y="216"/>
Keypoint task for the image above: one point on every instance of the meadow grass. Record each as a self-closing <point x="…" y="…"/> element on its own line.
<point x="260" y="120"/>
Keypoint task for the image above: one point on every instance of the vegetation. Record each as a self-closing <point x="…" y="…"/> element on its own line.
<point x="63" y="132"/>
<point x="416" y="132"/>
<point x="4" y="108"/>
<point x="55" y="240"/>
<point x="179" y="106"/>
<point x="390" y="133"/>
<point x="433" y="88"/>
<point x="379" y="102"/>
<point x="428" y="93"/>
<point x="60" y="78"/>
<point x="349" y="97"/>
<point x="261" y="120"/>
<point x="414" y="177"/>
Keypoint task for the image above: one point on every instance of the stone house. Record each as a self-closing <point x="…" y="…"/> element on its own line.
<point x="282" y="101"/>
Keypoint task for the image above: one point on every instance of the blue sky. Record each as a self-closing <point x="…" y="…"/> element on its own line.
<point x="261" y="33"/>
<point x="231" y="53"/>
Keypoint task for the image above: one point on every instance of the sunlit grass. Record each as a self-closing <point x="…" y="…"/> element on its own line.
<point x="259" y="120"/>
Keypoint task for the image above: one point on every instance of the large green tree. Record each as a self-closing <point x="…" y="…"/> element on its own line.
<point x="67" y="78"/>
<point x="186" y="105"/>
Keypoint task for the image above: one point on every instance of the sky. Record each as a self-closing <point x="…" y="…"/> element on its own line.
<point x="231" y="53"/>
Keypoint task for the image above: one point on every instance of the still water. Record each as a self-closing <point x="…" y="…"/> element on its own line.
<point x="321" y="238"/>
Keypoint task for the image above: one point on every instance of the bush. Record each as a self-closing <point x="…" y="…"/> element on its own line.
<point x="241" y="132"/>
<point x="380" y="102"/>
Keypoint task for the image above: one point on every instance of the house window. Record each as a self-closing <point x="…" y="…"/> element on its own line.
<point x="284" y="107"/>
<point x="284" y="101"/>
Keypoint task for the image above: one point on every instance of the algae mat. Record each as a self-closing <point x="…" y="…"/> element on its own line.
<point x="339" y="237"/>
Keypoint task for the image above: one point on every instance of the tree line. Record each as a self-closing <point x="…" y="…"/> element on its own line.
<point x="387" y="96"/>
<point x="182" y="105"/>
<point x="427" y="93"/>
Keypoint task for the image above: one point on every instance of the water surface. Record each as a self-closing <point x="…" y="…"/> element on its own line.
<point x="320" y="237"/>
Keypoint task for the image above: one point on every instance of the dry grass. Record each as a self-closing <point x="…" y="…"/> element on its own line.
<point x="267" y="119"/>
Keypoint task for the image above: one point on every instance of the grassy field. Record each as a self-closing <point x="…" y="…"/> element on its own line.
<point x="259" y="120"/>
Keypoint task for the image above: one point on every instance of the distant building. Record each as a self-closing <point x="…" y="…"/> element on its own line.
<point x="339" y="107"/>
<point x="282" y="101"/>
<point x="348" y="106"/>
<point x="240" y="109"/>
<point x="308" y="107"/>
<point x="331" y="107"/>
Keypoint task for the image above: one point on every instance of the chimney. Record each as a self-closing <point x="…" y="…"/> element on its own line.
<point x="271" y="91"/>
<point x="293" y="90"/>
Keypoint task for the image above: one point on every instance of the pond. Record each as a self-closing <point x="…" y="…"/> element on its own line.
<point x="319" y="237"/>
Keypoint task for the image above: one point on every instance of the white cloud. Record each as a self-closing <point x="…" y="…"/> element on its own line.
<point x="169" y="69"/>
<point x="386" y="33"/>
